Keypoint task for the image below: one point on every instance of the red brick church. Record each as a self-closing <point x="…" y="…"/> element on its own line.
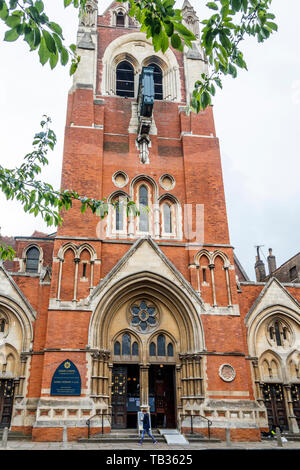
<point x="106" y="317"/>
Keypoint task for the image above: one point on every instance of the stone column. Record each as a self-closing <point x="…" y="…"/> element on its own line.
<point x="258" y="388"/>
<point x="76" y="260"/>
<point x="59" y="278"/>
<point x="144" y="386"/>
<point x="212" y="267"/>
<point x="226" y="268"/>
<point x="20" y="386"/>
<point x="92" y="275"/>
<point x="293" y="425"/>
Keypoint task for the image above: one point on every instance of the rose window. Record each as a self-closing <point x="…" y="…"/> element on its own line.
<point x="143" y="315"/>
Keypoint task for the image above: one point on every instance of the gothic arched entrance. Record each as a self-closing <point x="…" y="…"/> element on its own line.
<point x="144" y="328"/>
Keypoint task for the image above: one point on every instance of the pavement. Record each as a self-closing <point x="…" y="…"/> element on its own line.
<point x="263" y="445"/>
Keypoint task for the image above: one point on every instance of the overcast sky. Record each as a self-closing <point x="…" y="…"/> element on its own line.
<point x="257" y="122"/>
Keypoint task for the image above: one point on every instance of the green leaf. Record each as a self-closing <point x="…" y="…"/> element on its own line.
<point x="39" y="6"/>
<point x="212" y="6"/>
<point x="13" y="21"/>
<point x="56" y="28"/>
<point x="49" y="41"/>
<point x="64" y="56"/>
<point x="176" y="42"/>
<point x="11" y="35"/>
<point x="43" y="51"/>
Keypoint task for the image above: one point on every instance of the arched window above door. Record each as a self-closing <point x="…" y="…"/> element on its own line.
<point x="125" y="79"/>
<point x="126" y="345"/>
<point x="161" y="346"/>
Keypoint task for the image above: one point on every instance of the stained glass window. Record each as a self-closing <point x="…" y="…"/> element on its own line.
<point x="161" y="345"/>
<point x="117" y="348"/>
<point x="143" y="315"/>
<point x="126" y="345"/>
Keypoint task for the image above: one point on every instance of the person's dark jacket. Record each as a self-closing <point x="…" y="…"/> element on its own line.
<point x="146" y="421"/>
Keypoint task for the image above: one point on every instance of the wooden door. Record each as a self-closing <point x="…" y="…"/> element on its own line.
<point x="295" y="391"/>
<point x="6" y="401"/>
<point x="164" y="396"/>
<point x="275" y="404"/>
<point x="119" y="397"/>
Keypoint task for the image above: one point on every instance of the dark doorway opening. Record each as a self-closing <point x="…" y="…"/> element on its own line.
<point x="125" y="396"/>
<point x="162" y="396"/>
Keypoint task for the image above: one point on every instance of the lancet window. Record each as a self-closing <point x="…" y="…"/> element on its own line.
<point x="125" y="79"/>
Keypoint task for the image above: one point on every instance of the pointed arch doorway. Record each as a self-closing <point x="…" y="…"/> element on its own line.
<point x="143" y="325"/>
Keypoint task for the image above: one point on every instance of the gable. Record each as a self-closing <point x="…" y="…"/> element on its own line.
<point x="146" y="256"/>
<point x="10" y="290"/>
<point x="273" y="294"/>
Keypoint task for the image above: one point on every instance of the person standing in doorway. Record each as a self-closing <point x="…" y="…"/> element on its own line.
<point x="146" y="427"/>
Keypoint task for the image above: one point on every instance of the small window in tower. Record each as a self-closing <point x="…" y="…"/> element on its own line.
<point x="32" y="260"/>
<point x="120" y="19"/>
<point x="84" y="270"/>
<point x="125" y="79"/>
<point x="158" y="82"/>
<point x="119" y="217"/>
<point x="143" y="204"/>
<point x="167" y="218"/>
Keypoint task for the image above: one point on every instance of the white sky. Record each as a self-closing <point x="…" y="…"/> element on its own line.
<point x="257" y="122"/>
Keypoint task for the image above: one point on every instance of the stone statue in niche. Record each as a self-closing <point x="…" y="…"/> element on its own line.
<point x="89" y="18"/>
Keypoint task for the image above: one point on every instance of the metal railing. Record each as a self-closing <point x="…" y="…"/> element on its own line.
<point x="98" y="414"/>
<point x="209" y="422"/>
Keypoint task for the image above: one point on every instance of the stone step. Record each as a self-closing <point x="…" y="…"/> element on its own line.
<point x="111" y="439"/>
<point x="15" y="436"/>
<point x="200" y="438"/>
<point x="288" y="435"/>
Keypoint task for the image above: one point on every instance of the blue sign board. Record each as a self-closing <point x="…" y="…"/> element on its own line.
<point x="66" y="380"/>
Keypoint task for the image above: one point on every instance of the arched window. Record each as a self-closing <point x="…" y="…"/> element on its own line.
<point x="125" y="79"/>
<point x="167" y="218"/>
<point x="32" y="260"/>
<point x="152" y="349"/>
<point x="126" y="341"/>
<point x="120" y="19"/>
<point x="117" y="348"/>
<point x="119" y="216"/>
<point x="135" y="349"/>
<point x="161" y="345"/>
<point x="170" y="350"/>
<point x="143" y="204"/>
<point x="158" y="82"/>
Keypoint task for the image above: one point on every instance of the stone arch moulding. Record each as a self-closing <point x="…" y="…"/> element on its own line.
<point x="255" y="321"/>
<point x="137" y="46"/>
<point x="106" y="303"/>
<point x="24" y="318"/>
<point x="271" y="356"/>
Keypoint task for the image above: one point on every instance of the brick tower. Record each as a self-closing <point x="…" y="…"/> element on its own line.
<point x="143" y="310"/>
